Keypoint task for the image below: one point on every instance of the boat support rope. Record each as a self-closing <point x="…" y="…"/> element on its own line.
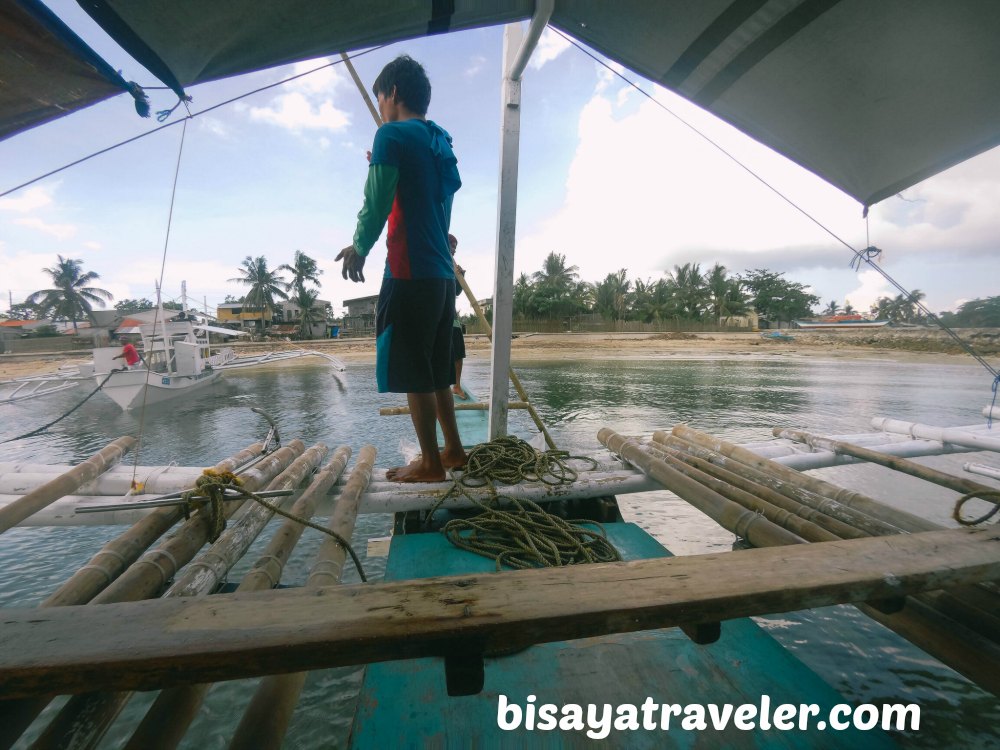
<point x="44" y="427"/>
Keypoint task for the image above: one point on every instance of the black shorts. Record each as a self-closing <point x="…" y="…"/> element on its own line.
<point x="457" y="343"/>
<point x="413" y="322"/>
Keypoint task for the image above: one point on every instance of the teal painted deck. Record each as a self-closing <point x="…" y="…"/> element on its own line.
<point x="405" y="704"/>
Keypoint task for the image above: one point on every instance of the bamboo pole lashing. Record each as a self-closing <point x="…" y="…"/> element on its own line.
<point x="86" y="717"/>
<point x="266" y="718"/>
<point x="941" y="478"/>
<point x="867" y="505"/>
<point x="168" y="719"/>
<point x="65" y="484"/>
<point x="147" y="576"/>
<point x="103" y="568"/>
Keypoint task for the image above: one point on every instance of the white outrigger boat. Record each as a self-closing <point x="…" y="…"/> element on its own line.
<point x="177" y="358"/>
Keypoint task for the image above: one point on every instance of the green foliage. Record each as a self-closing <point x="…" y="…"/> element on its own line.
<point x="977" y="313"/>
<point x="129" y="306"/>
<point x="776" y="298"/>
<point x="303" y="269"/>
<point x="265" y="285"/>
<point x="899" y="309"/>
<point x="70" y="297"/>
<point x="21" y="311"/>
<point x="44" y="332"/>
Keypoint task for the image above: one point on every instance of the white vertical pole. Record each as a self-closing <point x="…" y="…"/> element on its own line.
<point x="503" y="289"/>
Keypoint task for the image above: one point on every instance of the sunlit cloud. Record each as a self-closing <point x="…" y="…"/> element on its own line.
<point x="550" y="46"/>
<point x="31" y="199"/>
<point x="59" y="231"/>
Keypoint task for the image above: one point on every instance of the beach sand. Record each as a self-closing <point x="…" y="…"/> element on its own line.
<point x="898" y="346"/>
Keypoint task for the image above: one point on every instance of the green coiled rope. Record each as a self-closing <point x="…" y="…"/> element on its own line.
<point x="519" y="533"/>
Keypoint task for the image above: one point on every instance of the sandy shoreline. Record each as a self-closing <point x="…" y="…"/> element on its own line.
<point x="593" y="346"/>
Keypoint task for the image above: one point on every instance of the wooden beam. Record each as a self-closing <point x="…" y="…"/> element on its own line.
<point x="157" y="643"/>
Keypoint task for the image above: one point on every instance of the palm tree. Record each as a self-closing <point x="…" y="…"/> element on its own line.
<point x="554" y="286"/>
<point x="303" y="269"/>
<point x="264" y="285"/>
<point x="522" y="297"/>
<point x="71" y="297"/>
<point x="611" y="296"/>
<point x="849" y="309"/>
<point x="305" y="299"/>
<point x="688" y="287"/>
<point x="832" y="309"/>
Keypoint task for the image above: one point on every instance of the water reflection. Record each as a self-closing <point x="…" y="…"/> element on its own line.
<point x="736" y="399"/>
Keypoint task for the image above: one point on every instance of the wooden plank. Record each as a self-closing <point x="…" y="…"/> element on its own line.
<point x="148" y="644"/>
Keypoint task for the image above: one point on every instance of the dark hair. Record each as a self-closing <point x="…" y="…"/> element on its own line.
<point x="412" y="86"/>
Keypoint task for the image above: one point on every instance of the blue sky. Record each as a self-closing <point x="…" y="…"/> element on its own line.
<point x="606" y="177"/>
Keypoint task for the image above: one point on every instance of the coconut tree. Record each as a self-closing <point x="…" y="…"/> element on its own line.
<point x="71" y="297"/>
<point x="554" y="286"/>
<point x="688" y="286"/>
<point x="522" y="296"/>
<point x="302" y="269"/>
<point x="832" y="308"/>
<point x="305" y="300"/>
<point x="611" y="296"/>
<point x="265" y="285"/>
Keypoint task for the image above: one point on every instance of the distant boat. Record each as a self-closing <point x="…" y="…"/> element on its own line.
<point x="841" y="322"/>
<point x="175" y="359"/>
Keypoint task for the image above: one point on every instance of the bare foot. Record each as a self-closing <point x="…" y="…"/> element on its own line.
<point x="415" y="471"/>
<point x="454" y="459"/>
<point x="457" y="390"/>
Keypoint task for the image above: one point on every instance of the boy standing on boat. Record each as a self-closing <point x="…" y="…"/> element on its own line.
<point x="457" y="336"/>
<point x="412" y="179"/>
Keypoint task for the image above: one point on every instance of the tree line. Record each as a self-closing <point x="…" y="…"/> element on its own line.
<point x="71" y="296"/>
<point x="685" y="293"/>
<point x="554" y="293"/>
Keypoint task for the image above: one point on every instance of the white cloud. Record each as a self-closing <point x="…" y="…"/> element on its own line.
<point x="59" y="231"/>
<point x="296" y="112"/>
<point x="214" y="126"/>
<point x="550" y="46"/>
<point x="644" y="192"/>
<point x="475" y="66"/>
<point x="29" y="200"/>
<point x="306" y="103"/>
<point x="92" y="245"/>
<point x="873" y="286"/>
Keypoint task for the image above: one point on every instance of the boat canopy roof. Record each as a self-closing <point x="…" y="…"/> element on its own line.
<point x="871" y="96"/>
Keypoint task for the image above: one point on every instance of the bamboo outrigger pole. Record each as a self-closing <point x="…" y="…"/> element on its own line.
<point x="103" y="568"/>
<point x="266" y="718"/>
<point x="959" y="484"/>
<point x="732" y="516"/>
<point x="521" y="394"/>
<point x="86" y="717"/>
<point x="64" y="484"/>
<point x="854" y="518"/>
<point x="168" y="719"/>
<point x="870" y="506"/>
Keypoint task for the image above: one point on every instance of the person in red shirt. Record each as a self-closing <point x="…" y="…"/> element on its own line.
<point x="130" y="355"/>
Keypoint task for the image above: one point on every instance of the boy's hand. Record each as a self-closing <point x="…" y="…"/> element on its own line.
<point x="354" y="264"/>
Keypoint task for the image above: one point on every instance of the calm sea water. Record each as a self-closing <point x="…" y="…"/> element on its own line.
<point x="737" y="399"/>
